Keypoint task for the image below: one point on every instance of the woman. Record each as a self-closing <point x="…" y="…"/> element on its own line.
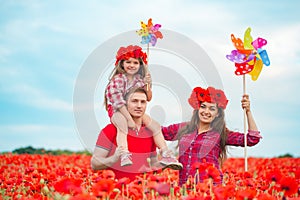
<point x="205" y="137"/>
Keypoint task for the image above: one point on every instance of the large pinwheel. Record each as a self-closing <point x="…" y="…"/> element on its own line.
<point x="248" y="58"/>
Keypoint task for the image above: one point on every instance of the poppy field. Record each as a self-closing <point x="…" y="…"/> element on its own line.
<point x="70" y="177"/>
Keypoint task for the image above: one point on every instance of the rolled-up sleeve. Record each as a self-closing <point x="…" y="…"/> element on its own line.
<point x="170" y="132"/>
<point x="106" y="137"/>
<point x="237" y="138"/>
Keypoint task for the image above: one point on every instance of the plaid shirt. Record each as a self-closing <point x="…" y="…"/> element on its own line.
<point x="118" y="87"/>
<point x="194" y="147"/>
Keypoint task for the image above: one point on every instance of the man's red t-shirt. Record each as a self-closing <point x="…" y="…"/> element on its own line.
<point x="140" y="144"/>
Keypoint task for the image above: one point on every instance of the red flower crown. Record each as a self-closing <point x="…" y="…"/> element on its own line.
<point x="210" y="95"/>
<point x="124" y="53"/>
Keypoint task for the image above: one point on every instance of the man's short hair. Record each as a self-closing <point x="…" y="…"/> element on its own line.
<point x="135" y="90"/>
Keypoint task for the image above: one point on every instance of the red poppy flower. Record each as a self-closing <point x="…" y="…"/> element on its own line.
<point x="223" y="192"/>
<point x="210" y="95"/>
<point x="274" y="175"/>
<point x="177" y="191"/>
<point x="201" y="166"/>
<point x="288" y="185"/>
<point x="151" y="185"/>
<point x="246" y="175"/>
<point x="264" y="196"/>
<point x="214" y="173"/>
<point x="122" y="181"/>
<point x="193" y="100"/>
<point x="246" y="194"/>
<point x="163" y="189"/>
<point x="135" y="191"/>
<point x="202" y="187"/>
<point x="202" y="94"/>
<point x="68" y="186"/>
<point x="108" y="174"/>
<point x="83" y="196"/>
<point x="218" y="96"/>
<point x="103" y="187"/>
<point x="124" y="53"/>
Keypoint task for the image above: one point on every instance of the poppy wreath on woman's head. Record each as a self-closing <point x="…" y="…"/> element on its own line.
<point x="210" y="95"/>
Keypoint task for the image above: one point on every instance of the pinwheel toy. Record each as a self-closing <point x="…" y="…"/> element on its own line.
<point x="249" y="58"/>
<point x="150" y="33"/>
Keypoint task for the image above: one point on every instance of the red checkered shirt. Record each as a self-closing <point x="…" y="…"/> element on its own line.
<point x="194" y="147"/>
<point x="119" y="86"/>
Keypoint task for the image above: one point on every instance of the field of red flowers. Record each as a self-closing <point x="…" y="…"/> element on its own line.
<point x="70" y="177"/>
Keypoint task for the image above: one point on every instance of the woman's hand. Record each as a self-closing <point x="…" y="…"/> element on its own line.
<point x="246" y="102"/>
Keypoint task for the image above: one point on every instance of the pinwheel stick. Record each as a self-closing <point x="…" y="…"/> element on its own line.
<point x="147" y="84"/>
<point x="245" y="133"/>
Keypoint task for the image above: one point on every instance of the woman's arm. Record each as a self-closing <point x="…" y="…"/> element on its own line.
<point x="253" y="135"/>
<point x="250" y="119"/>
<point x="237" y="138"/>
<point x="170" y="132"/>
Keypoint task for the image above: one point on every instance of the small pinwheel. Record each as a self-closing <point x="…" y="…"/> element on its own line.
<point x="149" y="32"/>
<point x="249" y="56"/>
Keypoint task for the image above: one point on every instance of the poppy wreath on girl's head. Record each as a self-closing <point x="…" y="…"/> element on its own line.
<point x="210" y="95"/>
<point x="124" y="53"/>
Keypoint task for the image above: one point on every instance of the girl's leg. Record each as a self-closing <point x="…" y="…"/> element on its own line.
<point x="122" y="130"/>
<point x="121" y="124"/>
<point x="156" y="130"/>
<point x="168" y="158"/>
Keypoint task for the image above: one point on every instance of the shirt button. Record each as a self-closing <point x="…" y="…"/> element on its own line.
<point x="190" y="156"/>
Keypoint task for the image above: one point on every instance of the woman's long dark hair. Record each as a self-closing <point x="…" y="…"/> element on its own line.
<point x="218" y="125"/>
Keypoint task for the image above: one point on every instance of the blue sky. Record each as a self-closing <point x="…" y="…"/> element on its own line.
<point x="43" y="45"/>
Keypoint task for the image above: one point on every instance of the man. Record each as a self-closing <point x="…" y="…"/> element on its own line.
<point x="140" y="142"/>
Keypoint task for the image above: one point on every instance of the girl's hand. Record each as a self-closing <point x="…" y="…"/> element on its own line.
<point x="148" y="79"/>
<point x="246" y="102"/>
<point x="131" y="124"/>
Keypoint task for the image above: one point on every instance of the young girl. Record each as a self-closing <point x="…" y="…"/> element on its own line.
<point x="130" y="72"/>
<point x="205" y="137"/>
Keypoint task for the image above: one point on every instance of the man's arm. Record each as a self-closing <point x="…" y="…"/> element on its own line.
<point x="101" y="161"/>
